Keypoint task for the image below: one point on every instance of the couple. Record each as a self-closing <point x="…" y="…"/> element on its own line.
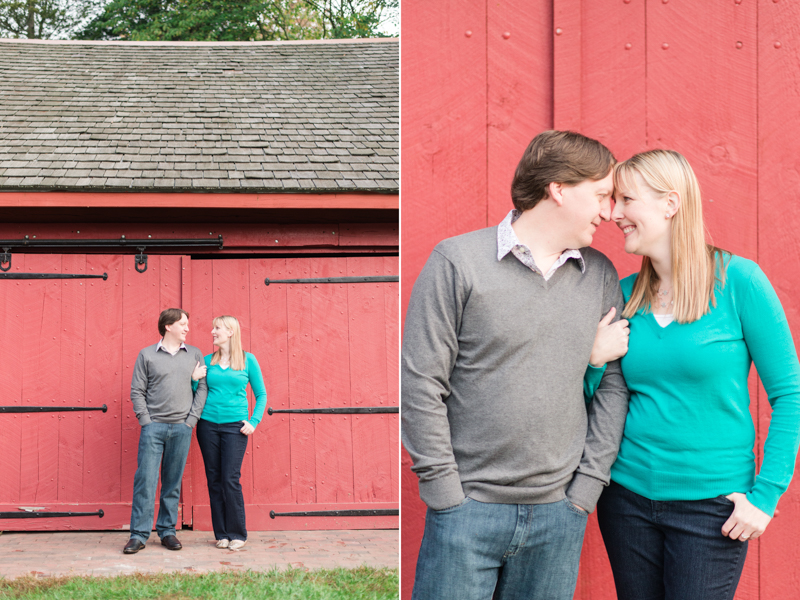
<point x="173" y="389"/>
<point x="501" y="343"/>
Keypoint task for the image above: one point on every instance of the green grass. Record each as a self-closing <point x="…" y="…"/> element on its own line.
<point x="363" y="583"/>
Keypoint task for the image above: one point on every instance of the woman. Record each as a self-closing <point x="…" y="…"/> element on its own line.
<point x="684" y="498"/>
<point x="224" y="427"/>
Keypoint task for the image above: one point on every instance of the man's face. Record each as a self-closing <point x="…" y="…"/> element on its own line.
<point x="179" y="329"/>
<point x="587" y="204"/>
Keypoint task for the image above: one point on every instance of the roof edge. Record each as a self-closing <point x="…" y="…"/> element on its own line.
<point x="160" y="43"/>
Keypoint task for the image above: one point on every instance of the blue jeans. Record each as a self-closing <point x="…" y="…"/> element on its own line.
<point x="515" y="551"/>
<point x="164" y="445"/>
<point x="223" y="447"/>
<point x="669" y="550"/>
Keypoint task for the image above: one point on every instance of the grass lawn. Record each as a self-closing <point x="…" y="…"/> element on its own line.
<point x="363" y="583"/>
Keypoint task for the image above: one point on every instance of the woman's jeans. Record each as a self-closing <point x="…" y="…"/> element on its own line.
<point x="516" y="551"/>
<point x="671" y="550"/>
<point x="223" y="448"/>
<point x="164" y="445"/>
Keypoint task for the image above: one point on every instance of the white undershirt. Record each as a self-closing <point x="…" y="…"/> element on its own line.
<point x="664" y="320"/>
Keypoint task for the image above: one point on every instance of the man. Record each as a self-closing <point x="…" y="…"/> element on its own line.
<point x="167" y="409"/>
<point x="498" y="336"/>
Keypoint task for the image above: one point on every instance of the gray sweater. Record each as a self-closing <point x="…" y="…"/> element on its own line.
<point x="492" y="372"/>
<point x="161" y="387"/>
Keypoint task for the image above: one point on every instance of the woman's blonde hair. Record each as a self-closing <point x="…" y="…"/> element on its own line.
<point x="237" y="354"/>
<point x="694" y="272"/>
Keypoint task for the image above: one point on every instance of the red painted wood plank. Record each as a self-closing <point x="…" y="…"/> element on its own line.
<point x="368" y="383"/>
<point x="12" y="304"/>
<point x="192" y="200"/>
<point x="71" y="380"/>
<point x="116" y="516"/>
<point x="187" y="487"/>
<point x="567" y="65"/>
<point x="333" y="441"/>
<point x="444" y="126"/>
<point x="520" y="61"/>
<point x="41" y="359"/>
<point x="778" y="221"/>
<point x="104" y="380"/>
<point x="258" y="518"/>
<point x="268" y="330"/>
<point x="369" y="234"/>
<point x="301" y="383"/>
<point x="391" y="299"/>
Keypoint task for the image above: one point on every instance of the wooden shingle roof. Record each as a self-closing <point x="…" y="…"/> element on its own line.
<point x="222" y="117"/>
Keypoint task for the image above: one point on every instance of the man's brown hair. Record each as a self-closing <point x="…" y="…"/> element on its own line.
<point x="168" y="317"/>
<point x="561" y="157"/>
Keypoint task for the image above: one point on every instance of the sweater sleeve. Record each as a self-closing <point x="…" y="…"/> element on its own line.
<point x="257" y="384"/>
<point x="769" y="341"/>
<point x="199" y="399"/>
<point x="430" y="347"/>
<point x="139" y="390"/>
<point x="607" y="413"/>
<point x="591" y="381"/>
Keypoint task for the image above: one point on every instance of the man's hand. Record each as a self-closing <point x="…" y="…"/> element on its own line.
<point x="247" y="429"/>
<point x="611" y="340"/>
<point x="746" y="521"/>
<point x="200" y="371"/>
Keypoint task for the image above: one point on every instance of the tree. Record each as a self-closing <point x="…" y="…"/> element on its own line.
<point x="239" y="20"/>
<point x="43" y="19"/>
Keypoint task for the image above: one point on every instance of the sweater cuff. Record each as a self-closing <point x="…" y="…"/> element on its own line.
<point x="191" y="421"/>
<point x="441" y="493"/>
<point x="144" y="419"/>
<point x="765" y="496"/>
<point x="584" y="491"/>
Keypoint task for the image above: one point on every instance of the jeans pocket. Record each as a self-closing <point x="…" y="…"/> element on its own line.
<point x="575" y="509"/>
<point x="452" y="508"/>
<point x="725" y="500"/>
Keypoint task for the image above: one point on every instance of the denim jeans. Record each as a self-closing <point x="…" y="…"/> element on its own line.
<point x="671" y="550"/>
<point x="164" y="445"/>
<point x="223" y="448"/>
<point x="515" y="551"/>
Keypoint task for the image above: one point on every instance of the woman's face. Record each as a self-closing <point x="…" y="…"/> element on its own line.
<point x="641" y="214"/>
<point x="220" y="334"/>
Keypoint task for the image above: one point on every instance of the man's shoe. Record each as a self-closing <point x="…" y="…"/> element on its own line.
<point x="171" y="542"/>
<point x="133" y="546"/>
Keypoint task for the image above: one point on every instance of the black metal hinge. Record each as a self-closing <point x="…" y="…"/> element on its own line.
<point x="366" y="279"/>
<point x="387" y="512"/>
<point x="104" y="276"/>
<point x="345" y="410"/>
<point x="25" y="514"/>
<point x="43" y="409"/>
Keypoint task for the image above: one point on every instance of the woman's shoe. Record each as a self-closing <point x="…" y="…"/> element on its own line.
<point x="236" y="544"/>
<point x="223" y="543"/>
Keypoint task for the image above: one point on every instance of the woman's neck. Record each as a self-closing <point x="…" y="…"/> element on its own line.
<point x="225" y="352"/>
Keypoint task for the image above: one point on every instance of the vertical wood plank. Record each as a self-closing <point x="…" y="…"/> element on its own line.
<point x="71" y="380"/>
<point x="301" y="382"/>
<point x="187" y="487"/>
<point x="268" y="330"/>
<point x="331" y="373"/>
<point x="778" y="247"/>
<point x="567" y="64"/>
<point x="391" y="299"/>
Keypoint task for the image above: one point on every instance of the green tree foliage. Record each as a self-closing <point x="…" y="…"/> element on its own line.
<point x="239" y="20"/>
<point x="44" y="19"/>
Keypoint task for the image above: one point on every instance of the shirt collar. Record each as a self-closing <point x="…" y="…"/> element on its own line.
<point x="160" y="345"/>
<point x="507" y="239"/>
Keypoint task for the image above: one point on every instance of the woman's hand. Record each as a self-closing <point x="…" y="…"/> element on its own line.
<point x="247" y="429"/>
<point x="611" y="341"/>
<point x="199" y="372"/>
<point x="746" y="521"/>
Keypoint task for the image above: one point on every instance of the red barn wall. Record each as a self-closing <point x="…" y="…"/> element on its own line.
<point x="717" y="81"/>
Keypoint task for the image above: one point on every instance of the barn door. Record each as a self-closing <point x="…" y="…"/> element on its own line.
<point x="319" y="346"/>
<point x="73" y="343"/>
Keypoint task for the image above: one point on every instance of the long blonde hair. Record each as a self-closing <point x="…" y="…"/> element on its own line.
<point x="237" y="354"/>
<point x="694" y="261"/>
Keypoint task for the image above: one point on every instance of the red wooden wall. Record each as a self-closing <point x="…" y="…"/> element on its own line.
<point x="717" y="81"/>
<point x="74" y="342"/>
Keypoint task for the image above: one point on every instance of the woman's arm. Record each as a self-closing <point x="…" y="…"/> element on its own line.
<point x="610" y="343"/>
<point x="257" y="384"/>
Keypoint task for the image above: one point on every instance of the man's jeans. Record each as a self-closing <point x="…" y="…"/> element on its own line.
<point x="671" y="550"/>
<point x="171" y="440"/>
<point x="517" y="551"/>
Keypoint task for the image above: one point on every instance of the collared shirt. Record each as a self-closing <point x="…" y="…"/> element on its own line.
<point x="161" y="346"/>
<point x="507" y="241"/>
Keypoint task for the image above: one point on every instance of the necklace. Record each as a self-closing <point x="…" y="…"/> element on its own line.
<point x="662" y="297"/>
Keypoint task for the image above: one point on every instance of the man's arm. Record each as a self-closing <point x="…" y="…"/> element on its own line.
<point x="607" y="413"/>
<point x="200" y="394"/>
<point x="139" y="390"/>
<point x="430" y="347"/>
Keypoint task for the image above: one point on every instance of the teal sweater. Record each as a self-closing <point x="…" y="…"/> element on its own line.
<point x="689" y="434"/>
<point x="227" y="392"/>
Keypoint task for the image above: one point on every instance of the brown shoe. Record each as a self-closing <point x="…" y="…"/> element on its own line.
<point x="171" y="542"/>
<point x="133" y="546"/>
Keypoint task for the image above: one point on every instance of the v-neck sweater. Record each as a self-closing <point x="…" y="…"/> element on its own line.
<point x="227" y="392"/>
<point x="492" y="378"/>
<point x="689" y="433"/>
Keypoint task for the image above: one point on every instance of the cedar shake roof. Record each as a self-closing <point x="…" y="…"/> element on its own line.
<point x="210" y="117"/>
